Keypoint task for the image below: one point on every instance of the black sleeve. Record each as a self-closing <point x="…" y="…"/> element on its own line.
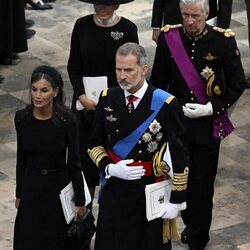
<point x="234" y="78"/>
<point x="176" y="132"/>
<point x="74" y="162"/>
<point x="159" y="74"/>
<point x="75" y="65"/>
<point x="157" y="13"/>
<point x="97" y="136"/>
<point x="224" y="13"/>
<point x="20" y="159"/>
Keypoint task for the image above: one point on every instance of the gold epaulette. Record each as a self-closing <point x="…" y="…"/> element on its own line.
<point x="97" y="153"/>
<point x="225" y="32"/>
<point x="105" y="92"/>
<point x="170" y="98"/>
<point x="168" y="27"/>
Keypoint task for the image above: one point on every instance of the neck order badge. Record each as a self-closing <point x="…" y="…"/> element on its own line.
<point x="130" y="105"/>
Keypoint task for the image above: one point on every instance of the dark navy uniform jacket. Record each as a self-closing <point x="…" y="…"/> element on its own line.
<point x="215" y="49"/>
<point x="113" y="122"/>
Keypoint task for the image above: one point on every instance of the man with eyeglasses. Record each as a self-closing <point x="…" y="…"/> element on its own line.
<point x="201" y="66"/>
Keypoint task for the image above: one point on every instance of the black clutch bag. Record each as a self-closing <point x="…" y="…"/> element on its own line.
<point x="81" y="231"/>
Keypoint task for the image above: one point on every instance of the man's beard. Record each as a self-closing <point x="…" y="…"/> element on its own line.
<point x="129" y="85"/>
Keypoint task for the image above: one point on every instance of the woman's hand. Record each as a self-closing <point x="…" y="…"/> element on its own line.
<point x="79" y="211"/>
<point x="17" y="203"/>
<point x="87" y="103"/>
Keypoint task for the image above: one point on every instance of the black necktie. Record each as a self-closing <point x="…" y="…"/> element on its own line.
<point x="130" y="105"/>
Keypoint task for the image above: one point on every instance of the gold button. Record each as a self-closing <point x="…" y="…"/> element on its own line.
<point x="193" y="44"/>
<point x="139" y="142"/>
<point x="140" y="151"/>
<point x="139" y="161"/>
<point x="117" y="131"/>
<point x="192" y="98"/>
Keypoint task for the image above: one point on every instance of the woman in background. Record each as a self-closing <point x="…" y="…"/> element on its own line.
<point x="95" y="39"/>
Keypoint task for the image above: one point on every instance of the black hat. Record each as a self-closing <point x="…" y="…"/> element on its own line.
<point x="107" y="2"/>
<point x="52" y="72"/>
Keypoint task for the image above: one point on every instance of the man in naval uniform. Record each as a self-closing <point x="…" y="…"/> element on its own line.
<point x="128" y="135"/>
<point x="201" y="66"/>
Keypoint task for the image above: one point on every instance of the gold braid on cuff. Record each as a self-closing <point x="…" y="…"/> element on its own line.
<point x="96" y="154"/>
<point x="180" y="180"/>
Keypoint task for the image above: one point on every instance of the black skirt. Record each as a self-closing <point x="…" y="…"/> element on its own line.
<point x="40" y="223"/>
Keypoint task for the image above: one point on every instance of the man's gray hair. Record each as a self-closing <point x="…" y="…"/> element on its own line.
<point x="204" y="4"/>
<point x="134" y="49"/>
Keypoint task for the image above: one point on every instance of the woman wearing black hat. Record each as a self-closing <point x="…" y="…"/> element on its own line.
<point x="95" y="39"/>
<point x="46" y="133"/>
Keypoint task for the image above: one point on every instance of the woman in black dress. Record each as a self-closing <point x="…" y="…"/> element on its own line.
<point x="48" y="158"/>
<point x="95" y="39"/>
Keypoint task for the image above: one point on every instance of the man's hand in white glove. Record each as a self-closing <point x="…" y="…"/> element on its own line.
<point x="171" y="210"/>
<point x="194" y="110"/>
<point x="122" y="171"/>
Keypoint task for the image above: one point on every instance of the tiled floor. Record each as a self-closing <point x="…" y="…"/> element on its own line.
<point x="231" y="218"/>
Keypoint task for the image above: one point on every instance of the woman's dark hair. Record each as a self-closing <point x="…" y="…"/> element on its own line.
<point x="54" y="78"/>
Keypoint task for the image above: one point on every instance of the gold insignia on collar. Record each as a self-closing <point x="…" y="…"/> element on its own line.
<point x="108" y="109"/>
<point x="209" y="57"/>
<point x="237" y="52"/>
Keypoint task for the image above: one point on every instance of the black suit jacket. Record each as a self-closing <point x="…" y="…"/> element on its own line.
<point x="168" y="12"/>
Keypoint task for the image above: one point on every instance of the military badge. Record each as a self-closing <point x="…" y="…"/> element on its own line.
<point x="147" y="137"/>
<point x="152" y="146"/>
<point x="116" y="35"/>
<point x="108" y="109"/>
<point x="111" y="118"/>
<point x="209" y="57"/>
<point x="159" y="136"/>
<point x="154" y="127"/>
<point x="207" y="73"/>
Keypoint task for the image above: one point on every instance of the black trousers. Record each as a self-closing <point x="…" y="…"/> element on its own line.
<point x="198" y="215"/>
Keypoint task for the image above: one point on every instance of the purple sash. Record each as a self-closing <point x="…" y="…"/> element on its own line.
<point x="222" y="125"/>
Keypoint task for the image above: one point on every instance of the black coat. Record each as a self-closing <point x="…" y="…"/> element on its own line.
<point x="12" y="28"/>
<point x="168" y="12"/>
<point x="122" y="222"/>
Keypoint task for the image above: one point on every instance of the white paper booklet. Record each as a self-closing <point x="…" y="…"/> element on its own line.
<point x="93" y="87"/>
<point x="67" y="200"/>
<point x="157" y="195"/>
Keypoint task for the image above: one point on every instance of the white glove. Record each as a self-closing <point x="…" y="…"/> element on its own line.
<point x="122" y="171"/>
<point x="171" y="210"/>
<point x="194" y="110"/>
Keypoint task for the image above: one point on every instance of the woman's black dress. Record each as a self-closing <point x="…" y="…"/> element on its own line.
<point x="41" y="145"/>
